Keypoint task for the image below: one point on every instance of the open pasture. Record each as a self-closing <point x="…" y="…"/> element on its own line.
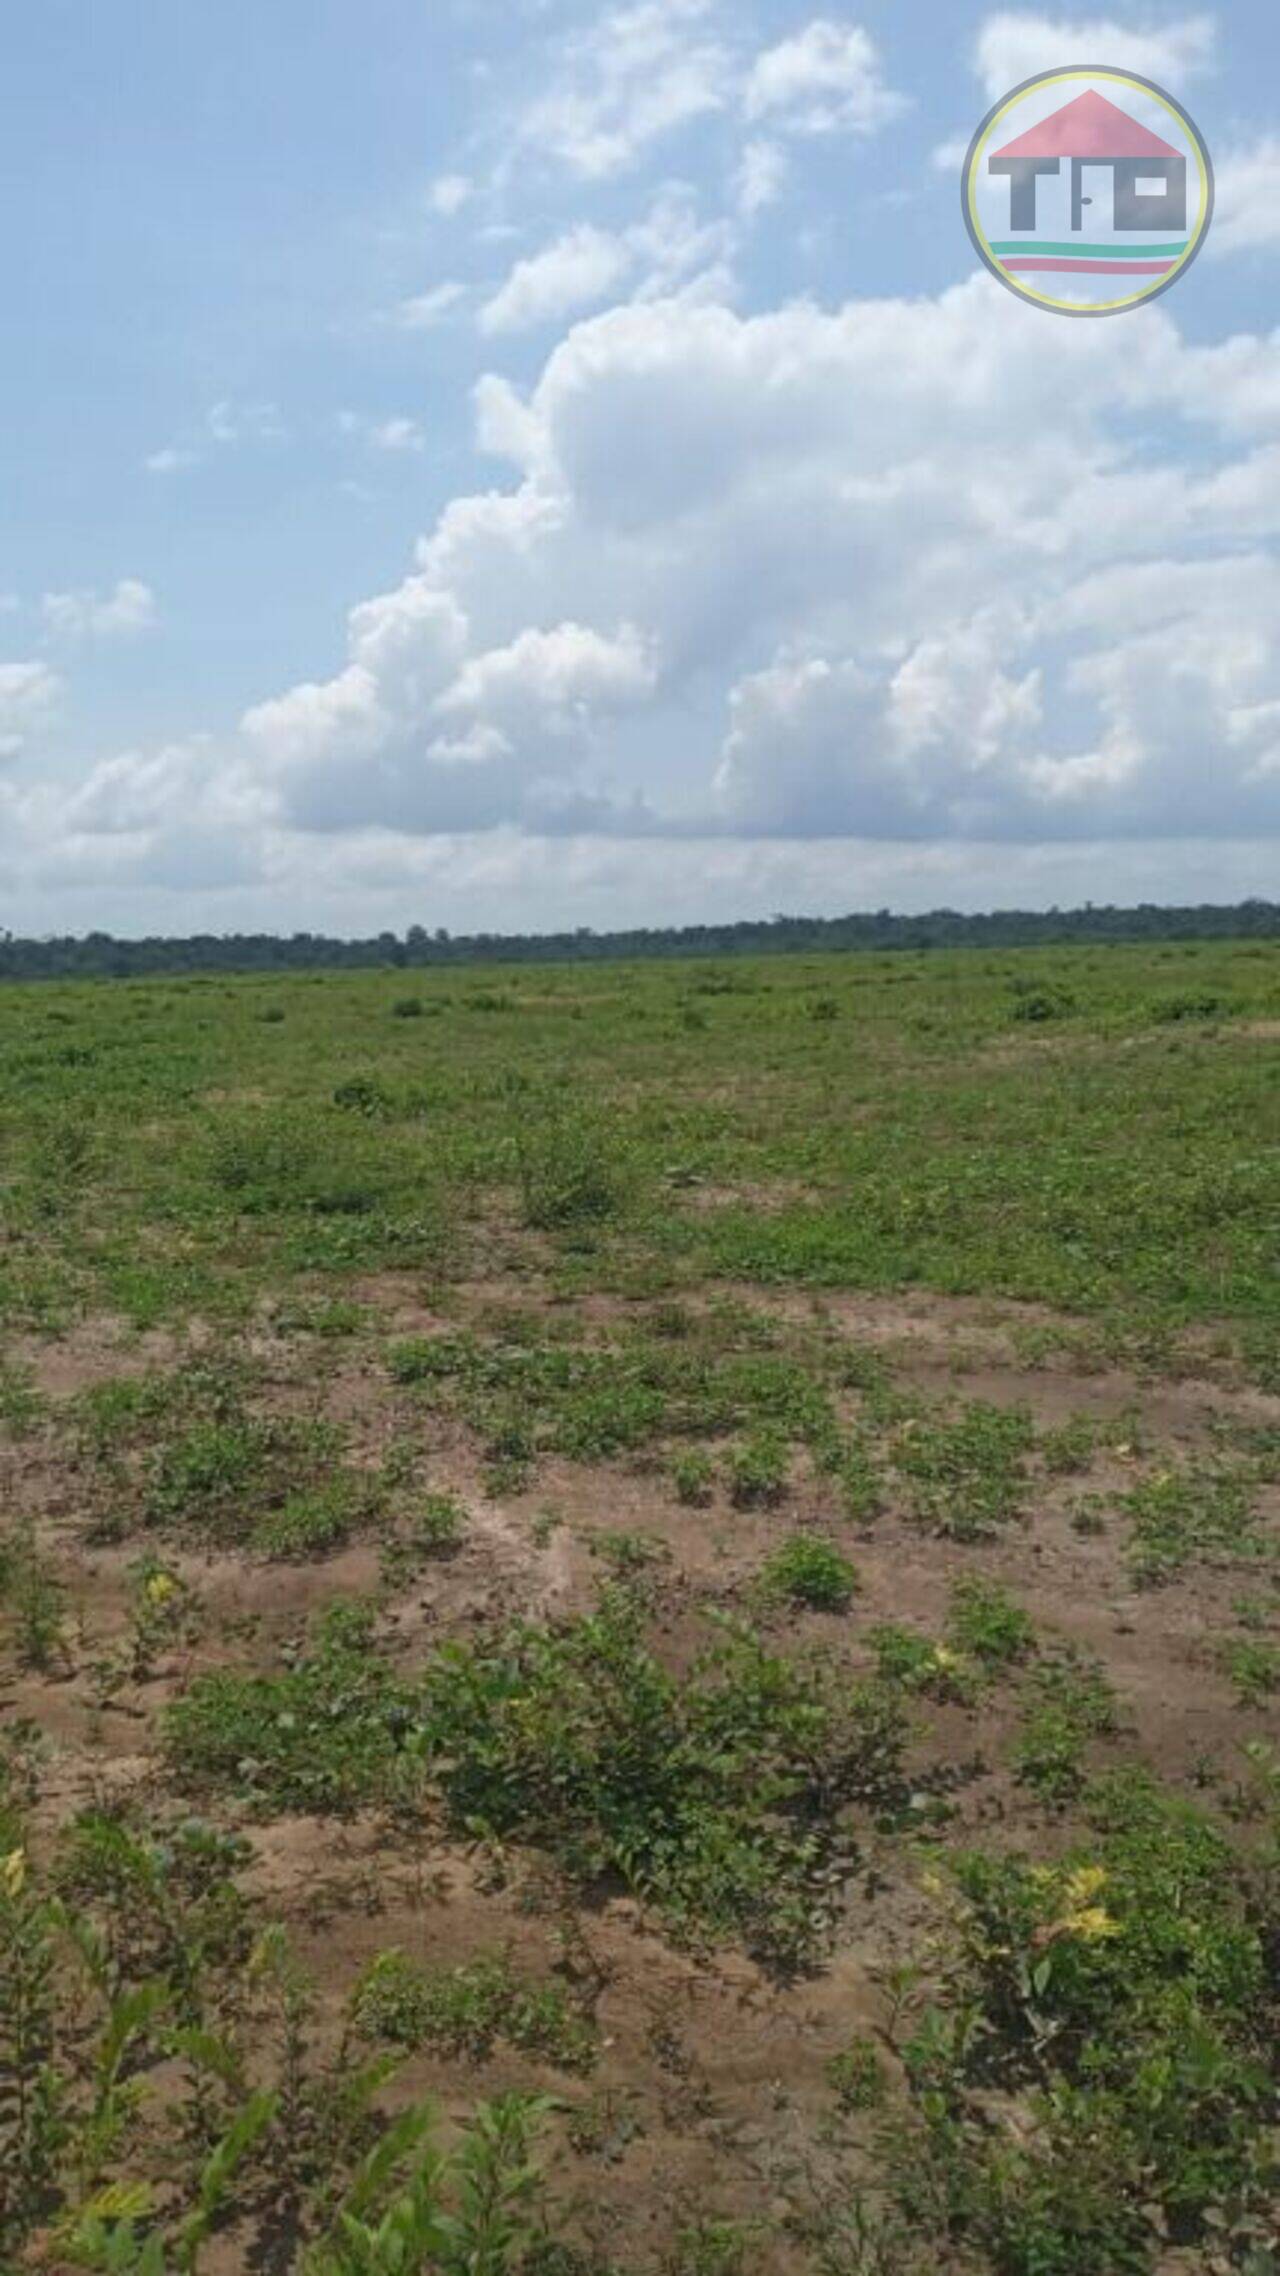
<point x="640" y="1619"/>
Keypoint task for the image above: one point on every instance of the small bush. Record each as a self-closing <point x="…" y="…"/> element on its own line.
<point x="1119" y="1994"/>
<point x="985" y="1622"/>
<point x="1179" y="1517"/>
<point x="312" y="1523"/>
<point x="1036" y="1006"/>
<point x="239" y="1478"/>
<point x="916" y="1663"/>
<point x="1072" y="1703"/>
<point x="573" y="1171"/>
<point x="469" y="2009"/>
<point x="857" y="2076"/>
<point x="966" y="1473"/>
<point x="810" y="1572"/>
<point x="693" y="1475"/>
<point x="33" y="1598"/>
<point x="758" y="1471"/>
<point x="1172" y="1011"/>
<point x="1254" y="1668"/>
<point x="364" y="1095"/>
<point x="327" y="1734"/>
<point x="273" y="1163"/>
<point x="716" y="1796"/>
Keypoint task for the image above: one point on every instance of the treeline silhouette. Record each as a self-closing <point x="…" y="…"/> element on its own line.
<point x="100" y="955"/>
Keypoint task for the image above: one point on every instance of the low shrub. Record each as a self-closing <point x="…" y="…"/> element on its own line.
<point x="467" y="2010"/>
<point x="810" y="1572"/>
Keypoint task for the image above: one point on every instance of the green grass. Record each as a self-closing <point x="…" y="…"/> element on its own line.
<point x="1090" y="1161"/>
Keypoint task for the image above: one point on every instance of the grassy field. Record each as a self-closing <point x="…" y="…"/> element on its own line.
<point x="640" y="1619"/>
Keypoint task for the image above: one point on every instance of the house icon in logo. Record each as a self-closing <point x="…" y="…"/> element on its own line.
<point x="1148" y="177"/>
<point x="1080" y="205"/>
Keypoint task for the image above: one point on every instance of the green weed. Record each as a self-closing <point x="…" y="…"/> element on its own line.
<point x="1186" y="1516"/>
<point x="966" y="1474"/>
<point x="467" y="2010"/>
<point x="985" y="1622"/>
<point x="1071" y="1704"/>
<point x="713" y="1797"/>
<point x="810" y="1572"/>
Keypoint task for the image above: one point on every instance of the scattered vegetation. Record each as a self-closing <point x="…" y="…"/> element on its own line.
<point x="468" y="2009"/>
<point x="863" y="1569"/>
<point x="966" y="1473"/>
<point x="719" y="1798"/>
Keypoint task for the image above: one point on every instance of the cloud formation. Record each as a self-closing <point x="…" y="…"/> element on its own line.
<point x="902" y="571"/>
<point x="877" y="594"/>
<point x="1247" y="214"/>
<point x="823" y="79"/>
<point x="27" y="694"/>
<point x="1015" y="45"/>
<point x="578" y="269"/>
<point x="118" y="615"/>
<point x="629" y="78"/>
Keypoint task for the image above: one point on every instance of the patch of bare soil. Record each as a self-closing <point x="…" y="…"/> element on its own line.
<point x="710" y="2094"/>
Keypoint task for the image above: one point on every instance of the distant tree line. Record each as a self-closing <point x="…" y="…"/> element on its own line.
<point x="99" y="955"/>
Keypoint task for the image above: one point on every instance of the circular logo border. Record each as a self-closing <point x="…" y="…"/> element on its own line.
<point x="982" y="137"/>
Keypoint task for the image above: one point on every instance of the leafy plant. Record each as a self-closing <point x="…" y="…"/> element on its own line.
<point x="573" y="1169"/>
<point x="465" y="2212"/>
<point x="1180" y="1516"/>
<point x="329" y="1733"/>
<point x="986" y="1623"/>
<point x="917" y="1663"/>
<point x="1071" y="1704"/>
<point x="468" y="2009"/>
<point x="34" y="1598"/>
<point x="1254" y="1667"/>
<point x="715" y="1797"/>
<point x="809" y="1571"/>
<point x="857" y="2076"/>
<point x="693" y="1475"/>
<point x="966" y="1474"/>
<point x="758" y="1471"/>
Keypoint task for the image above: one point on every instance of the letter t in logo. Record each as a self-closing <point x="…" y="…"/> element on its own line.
<point x="1022" y="174"/>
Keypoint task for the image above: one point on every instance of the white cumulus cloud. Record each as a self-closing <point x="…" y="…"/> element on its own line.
<point x="28" y="691"/>
<point x="1013" y="46"/>
<point x="577" y="269"/>
<point x="1247" y="213"/>
<point x="628" y="79"/>
<point x="85" y="615"/>
<point x="825" y="78"/>
<point x="965" y="605"/>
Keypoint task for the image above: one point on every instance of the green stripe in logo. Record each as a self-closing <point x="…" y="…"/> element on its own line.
<point x="1095" y="252"/>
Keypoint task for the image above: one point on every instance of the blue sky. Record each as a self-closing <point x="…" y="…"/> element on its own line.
<point x="512" y="465"/>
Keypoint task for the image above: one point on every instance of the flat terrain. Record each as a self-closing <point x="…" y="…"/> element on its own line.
<point x="676" y="1561"/>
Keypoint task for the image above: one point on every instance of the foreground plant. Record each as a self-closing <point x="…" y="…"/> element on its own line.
<point x="1120" y="2003"/>
<point x="415" y="2210"/>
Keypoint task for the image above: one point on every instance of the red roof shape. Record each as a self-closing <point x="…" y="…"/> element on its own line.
<point x="1090" y="127"/>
